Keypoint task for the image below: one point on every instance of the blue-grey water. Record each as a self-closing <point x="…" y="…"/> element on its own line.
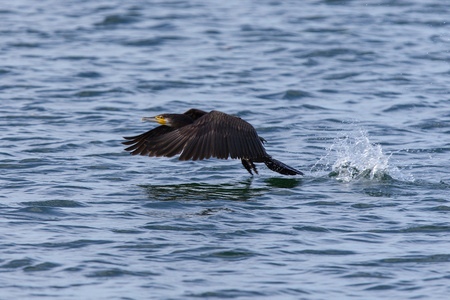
<point x="353" y="93"/>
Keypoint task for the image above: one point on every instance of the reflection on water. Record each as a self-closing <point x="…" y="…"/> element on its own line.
<point x="284" y="183"/>
<point x="239" y="191"/>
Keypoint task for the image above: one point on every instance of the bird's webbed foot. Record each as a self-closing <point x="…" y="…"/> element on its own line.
<point x="249" y="165"/>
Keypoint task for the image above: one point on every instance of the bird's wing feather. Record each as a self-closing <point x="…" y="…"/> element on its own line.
<point x="219" y="135"/>
<point x="140" y="144"/>
<point x="213" y="134"/>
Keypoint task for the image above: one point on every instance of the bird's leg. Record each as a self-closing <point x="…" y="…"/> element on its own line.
<point x="246" y="165"/>
<point x="249" y="165"/>
<point x="253" y="166"/>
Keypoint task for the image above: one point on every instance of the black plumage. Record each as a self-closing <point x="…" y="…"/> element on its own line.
<point x="198" y="135"/>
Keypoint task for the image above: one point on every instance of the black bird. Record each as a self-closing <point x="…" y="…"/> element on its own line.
<point x="198" y="135"/>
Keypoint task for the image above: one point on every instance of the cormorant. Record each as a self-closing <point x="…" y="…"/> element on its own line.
<point x="198" y="135"/>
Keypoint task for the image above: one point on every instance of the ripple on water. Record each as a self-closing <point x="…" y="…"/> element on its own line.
<point x="83" y="243"/>
<point x="118" y="272"/>
<point x="435" y="258"/>
<point x="288" y="95"/>
<point x="45" y="266"/>
<point x="17" y="263"/>
<point x="424" y="228"/>
<point x="53" y="203"/>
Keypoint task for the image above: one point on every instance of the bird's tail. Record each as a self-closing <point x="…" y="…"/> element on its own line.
<point x="278" y="166"/>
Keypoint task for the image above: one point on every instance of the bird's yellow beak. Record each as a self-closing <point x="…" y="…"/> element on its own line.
<point x="157" y="119"/>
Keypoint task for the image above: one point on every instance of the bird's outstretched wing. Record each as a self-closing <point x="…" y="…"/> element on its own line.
<point x="141" y="144"/>
<point x="214" y="134"/>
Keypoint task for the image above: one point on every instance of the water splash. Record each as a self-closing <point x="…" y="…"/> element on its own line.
<point x="353" y="157"/>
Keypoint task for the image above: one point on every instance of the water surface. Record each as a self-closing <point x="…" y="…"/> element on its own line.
<point x="353" y="93"/>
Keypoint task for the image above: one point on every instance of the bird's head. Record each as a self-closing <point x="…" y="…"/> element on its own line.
<point x="163" y="119"/>
<point x="171" y="120"/>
